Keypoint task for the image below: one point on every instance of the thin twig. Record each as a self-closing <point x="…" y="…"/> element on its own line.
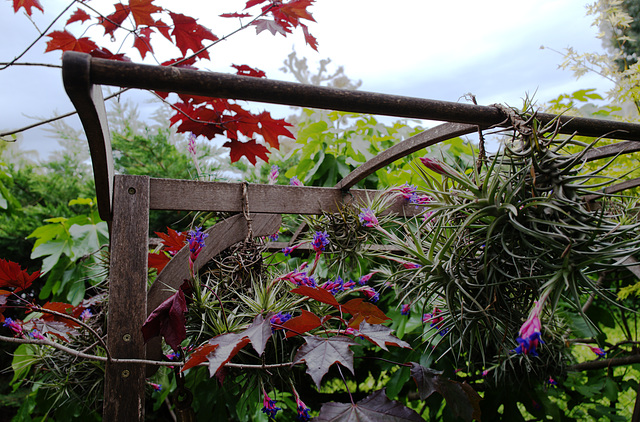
<point x="31" y="64"/>
<point x="605" y="363"/>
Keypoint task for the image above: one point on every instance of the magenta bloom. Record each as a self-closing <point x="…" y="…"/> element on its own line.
<point x="598" y="351"/>
<point x="15" y="326"/>
<point x="435" y="320"/>
<point x="303" y="410"/>
<point x="196" y="242"/>
<point x="156" y="387"/>
<point x="433" y="165"/>
<point x="420" y="199"/>
<point x="368" y="218"/>
<point x="406" y="309"/>
<point x="411" y="265"/>
<point x="320" y="241"/>
<point x="295" y="182"/>
<point x="406" y="190"/>
<point x="529" y="338"/>
<point x="85" y="315"/>
<point x="269" y="406"/>
<point x="191" y="146"/>
<point x="273" y="175"/>
<point x="365" y="278"/>
<point x="552" y="382"/>
<point x="36" y="334"/>
<point x="370" y="293"/>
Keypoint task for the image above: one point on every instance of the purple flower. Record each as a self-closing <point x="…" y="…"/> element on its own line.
<point x="435" y="320"/>
<point x="420" y="199"/>
<point x="598" y="351"/>
<point x="299" y="277"/>
<point x="320" y="241"/>
<point x="295" y="182"/>
<point x="406" y="309"/>
<point x="485" y="372"/>
<point x="370" y="293"/>
<point x="85" y="315"/>
<point x="269" y="406"/>
<point x="274" y="237"/>
<point x="411" y="265"/>
<point x="196" y="242"/>
<point x="15" y="326"/>
<point x="279" y="319"/>
<point x="156" y="387"/>
<point x="289" y="249"/>
<point x="552" y="382"/>
<point x="273" y="175"/>
<point x="303" y="410"/>
<point x="36" y="334"/>
<point x="365" y="278"/>
<point x="191" y="146"/>
<point x="368" y="218"/>
<point x="339" y="285"/>
<point x="406" y="190"/>
<point x="529" y="338"/>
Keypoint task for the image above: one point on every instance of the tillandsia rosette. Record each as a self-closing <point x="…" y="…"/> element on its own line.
<point x="513" y="236"/>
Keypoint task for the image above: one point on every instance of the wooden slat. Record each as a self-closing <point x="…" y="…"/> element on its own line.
<point x="87" y="99"/>
<point x="612" y="150"/>
<point x="264" y="199"/>
<point x="415" y="143"/>
<point x="124" y="383"/>
<point x="221" y="236"/>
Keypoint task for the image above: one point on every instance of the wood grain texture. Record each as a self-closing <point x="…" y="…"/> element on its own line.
<point x="125" y="383"/>
<point x="264" y="199"/>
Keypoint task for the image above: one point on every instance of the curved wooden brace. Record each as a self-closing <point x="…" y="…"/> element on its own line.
<point x="87" y="99"/>
<point x="424" y="139"/>
<point x="611" y="150"/>
<point x="222" y="235"/>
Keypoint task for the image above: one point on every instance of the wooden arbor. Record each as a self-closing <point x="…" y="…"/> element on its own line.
<point x="124" y="201"/>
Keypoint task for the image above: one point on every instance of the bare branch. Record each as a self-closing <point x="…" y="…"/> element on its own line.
<point x="31" y="64"/>
<point x="605" y="363"/>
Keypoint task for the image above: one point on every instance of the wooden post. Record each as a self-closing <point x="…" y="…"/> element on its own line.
<point x="125" y="383"/>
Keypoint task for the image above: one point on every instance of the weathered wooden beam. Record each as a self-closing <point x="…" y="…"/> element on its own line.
<point x="125" y="383"/>
<point x="189" y="195"/>
<point x="195" y="82"/>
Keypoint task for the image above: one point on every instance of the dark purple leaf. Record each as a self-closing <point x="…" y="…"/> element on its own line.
<point x="376" y="407"/>
<point x="380" y="335"/>
<point x="425" y="378"/>
<point x="168" y="320"/>
<point x="228" y="345"/>
<point x="259" y="332"/>
<point x="320" y="353"/>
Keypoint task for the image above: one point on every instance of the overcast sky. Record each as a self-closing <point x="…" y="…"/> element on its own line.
<point x="437" y="50"/>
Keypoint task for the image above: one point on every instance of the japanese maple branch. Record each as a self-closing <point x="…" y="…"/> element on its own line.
<point x="42" y="34"/>
<point x="32" y="64"/>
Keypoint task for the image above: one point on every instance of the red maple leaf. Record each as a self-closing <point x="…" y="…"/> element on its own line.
<point x="104" y="53"/>
<point x="320" y="353"/>
<point x="297" y="9"/>
<point x="249" y="149"/>
<point x="272" y="128"/>
<point x="63" y="40"/>
<point x="12" y="275"/>
<point x="189" y="34"/>
<point x="259" y="332"/>
<point x="168" y="320"/>
<point x="251" y="3"/>
<point x="61" y="308"/>
<point x="78" y="16"/>
<point x="142" y="10"/>
<point x="228" y="346"/>
<point x="143" y="41"/>
<point x="163" y="28"/>
<point x="173" y="241"/>
<point x="245" y="70"/>
<point x="158" y="261"/>
<point x="302" y="323"/>
<point x="57" y="328"/>
<point x="198" y="356"/>
<point x="27" y="4"/>
<point x="114" y="20"/>
<point x="321" y="295"/>
<point x="310" y="39"/>
<point x="363" y="311"/>
<point x="235" y="15"/>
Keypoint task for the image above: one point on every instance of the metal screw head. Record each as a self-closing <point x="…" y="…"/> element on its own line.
<point x="126" y="337"/>
<point x="131" y="191"/>
<point x="125" y="373"/>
